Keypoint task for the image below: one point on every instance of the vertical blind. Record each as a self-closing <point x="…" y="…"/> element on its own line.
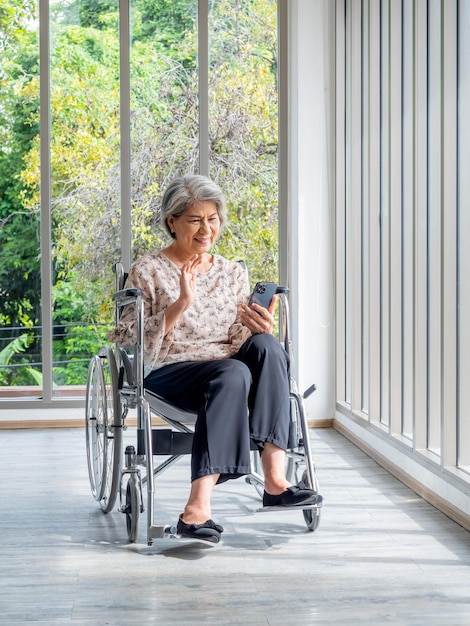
<point x="402" y="223"/>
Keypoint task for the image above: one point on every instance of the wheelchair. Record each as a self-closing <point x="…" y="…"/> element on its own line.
<point x="115" y="384"/>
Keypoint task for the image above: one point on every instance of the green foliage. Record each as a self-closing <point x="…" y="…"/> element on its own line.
<point x="14" y="347"/>
<point x="14" y="18"/>
<point x="74" y="350"/>
<point x="19" y="269"/>
<point x="164" y="21"/>
<point x="18" y="376"/>
<point x="81" y="319"/>
<point x="92" y="12"/>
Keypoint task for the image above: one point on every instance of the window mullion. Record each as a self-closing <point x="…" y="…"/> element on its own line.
<point x="46" y="235"/>
<point x="125" y="131"/>
<point x="203" y="68"/>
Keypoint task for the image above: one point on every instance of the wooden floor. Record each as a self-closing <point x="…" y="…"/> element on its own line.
<point x="380" y="555"/>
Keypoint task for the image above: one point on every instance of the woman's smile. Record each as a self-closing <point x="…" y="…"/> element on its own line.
<point x="196" y="230"/>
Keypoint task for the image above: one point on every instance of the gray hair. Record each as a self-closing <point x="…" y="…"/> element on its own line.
<point x="185" y="191"/>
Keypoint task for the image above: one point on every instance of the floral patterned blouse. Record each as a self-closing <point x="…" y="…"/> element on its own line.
<point x="209" y="329"/>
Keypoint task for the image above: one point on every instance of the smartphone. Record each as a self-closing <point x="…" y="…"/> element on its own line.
<point x="263" y="294"/>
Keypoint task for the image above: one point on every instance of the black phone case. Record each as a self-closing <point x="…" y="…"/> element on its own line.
<point x="263" y="294"/>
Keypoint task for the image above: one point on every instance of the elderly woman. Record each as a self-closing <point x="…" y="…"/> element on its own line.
<point x="207" y="351"/>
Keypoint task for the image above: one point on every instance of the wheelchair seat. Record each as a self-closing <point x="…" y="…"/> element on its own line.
<point x="168" y="411"/>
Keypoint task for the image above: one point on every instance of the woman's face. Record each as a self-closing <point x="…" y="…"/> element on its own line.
<point x="197" y="228"/>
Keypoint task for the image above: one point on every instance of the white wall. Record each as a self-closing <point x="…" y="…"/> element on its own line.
<point x="311" y="199"/>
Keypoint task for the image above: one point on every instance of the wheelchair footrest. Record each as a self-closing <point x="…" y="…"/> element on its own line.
<point x="318" y="504"/>
<point x="169" y="532"/>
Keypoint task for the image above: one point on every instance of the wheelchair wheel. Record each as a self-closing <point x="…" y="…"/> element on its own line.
<point x="132" y="507"/>
<point x="104" y="429"/>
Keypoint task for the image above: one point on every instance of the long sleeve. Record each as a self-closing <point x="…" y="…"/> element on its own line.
<point x="209" y="329"/>
<point x="156" y="345"/>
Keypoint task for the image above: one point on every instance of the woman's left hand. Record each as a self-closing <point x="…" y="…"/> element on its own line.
<point x="258" y="319"/>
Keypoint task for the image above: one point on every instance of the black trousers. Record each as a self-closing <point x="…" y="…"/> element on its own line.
<point x="237" y="399"/>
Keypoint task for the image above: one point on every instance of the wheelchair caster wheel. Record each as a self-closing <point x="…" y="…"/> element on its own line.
<point x="312" y="518"/>
<point x="132" y="508"/>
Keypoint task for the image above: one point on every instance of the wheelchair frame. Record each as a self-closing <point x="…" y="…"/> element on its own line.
<point x="115" y="384"/>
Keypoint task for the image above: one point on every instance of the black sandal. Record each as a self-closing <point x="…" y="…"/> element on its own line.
<point x="208" y="531"/>
<point x="296" y="495"/>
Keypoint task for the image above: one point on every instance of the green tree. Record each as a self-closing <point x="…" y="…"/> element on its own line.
<point x="14" y="18"/>
<point x="164" y="21"/>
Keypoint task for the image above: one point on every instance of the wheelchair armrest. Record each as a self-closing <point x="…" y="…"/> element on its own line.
<point x="122" y="298"/>
<point x="284" y="321"/>
<point x="126" y="296"/>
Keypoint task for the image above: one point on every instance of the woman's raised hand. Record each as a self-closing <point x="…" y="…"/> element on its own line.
<point x="189" y="272"/>
<point x="187" y="292"/>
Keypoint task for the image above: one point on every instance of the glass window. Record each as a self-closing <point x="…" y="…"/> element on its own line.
<point x="20" y="281"/>
<point x="243" y="116"/>
<point x="84" y="152"/>
<point x="88" y="82"/>
<point x="164" y="109"/>
<point x="243" y="133"/>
